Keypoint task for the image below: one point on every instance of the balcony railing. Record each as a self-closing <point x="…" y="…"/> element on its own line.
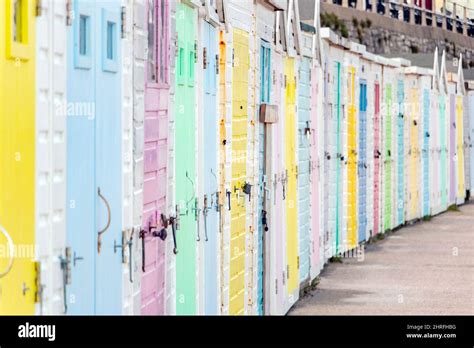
<point x="452" y="16"/>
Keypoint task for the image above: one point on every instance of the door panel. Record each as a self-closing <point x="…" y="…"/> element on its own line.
<point x="94" y="159"/>
<point x="362" y="165"/>
<point x="240" y="72"/>
<point x="452" y="149"/>
<point x="461" y="191"/>
<point x="388" y="159"/>
<point x="185" y="100"/>
<point x="304" y="137"/>
<point x="377" y="153"/>
<point x="351" y="163"/>
<point x="155" y="158"/>
<point x="400" y="207"/>
<point x="265" y="85"/>
<point x="17" y="156"/>
<point x="291" y="181"/>
<point x="425" y="152"/>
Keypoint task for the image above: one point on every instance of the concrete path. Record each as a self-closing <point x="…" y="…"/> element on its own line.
<point x="426" y="268"/>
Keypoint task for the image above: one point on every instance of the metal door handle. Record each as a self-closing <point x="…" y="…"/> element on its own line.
<point x="109" y="218"/>
<point x="11" y="252"/>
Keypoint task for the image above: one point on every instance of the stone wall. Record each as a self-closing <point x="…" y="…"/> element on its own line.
<point x="384" y="35"/>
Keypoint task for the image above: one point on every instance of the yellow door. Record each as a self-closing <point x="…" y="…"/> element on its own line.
<point x="352" y="163"/>
<point x="17" y="156"/>
<point x="460" y="147"/>
<point x="291" y="174"/>
<point x="222" y="156"/>
<point x="240" y="72"/>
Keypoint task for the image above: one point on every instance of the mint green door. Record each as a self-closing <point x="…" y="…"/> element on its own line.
<point x="185" y="118"/>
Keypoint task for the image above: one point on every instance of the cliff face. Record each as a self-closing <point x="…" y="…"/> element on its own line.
<point x="384" y="35"/>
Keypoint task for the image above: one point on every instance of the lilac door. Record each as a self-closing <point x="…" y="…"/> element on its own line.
<point x="452" y="149"/>
<point x="155" y="157"/>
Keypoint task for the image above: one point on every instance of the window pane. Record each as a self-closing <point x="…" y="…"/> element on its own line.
<point x="110" y="40"/>
<point x="17" y="21"/>
<point x="83" y="35"/>
<point x="151" y="41"/>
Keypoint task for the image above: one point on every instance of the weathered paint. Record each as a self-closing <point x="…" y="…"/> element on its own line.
<point x="185" y="162"/>
<point x="388" y="158"/>
<point x="155" y="157"/>
<point x="94" y="159"/>
<point x="352" y="159"/>
<point x="377" y="154"/>
<point x="51" y="53"/>
<point x="400" y="206"/>
<point x="17" y="153"/>
<point x="425" y="152"/>
<point x="291" y="181"/>
<point x="362" y="163"/>
<point x="240" y="81"/>
<point x="461" y="190"/>
<point x="304" y="129"/>
<point x="210" y="153"/>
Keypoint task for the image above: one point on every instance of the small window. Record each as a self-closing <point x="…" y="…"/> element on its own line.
<point x="84" y="31"/>
<point x="111" y="40"/>
<point x="18" y="21"/>
<point x="151" y="69"/>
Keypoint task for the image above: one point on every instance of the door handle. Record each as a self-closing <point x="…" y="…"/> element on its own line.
<point x="109" y="218"/>
<point x="76" y="258"/>
<point x="11" y="252"/>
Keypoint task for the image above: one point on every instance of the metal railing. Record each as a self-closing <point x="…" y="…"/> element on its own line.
<point x="452" y="16"/>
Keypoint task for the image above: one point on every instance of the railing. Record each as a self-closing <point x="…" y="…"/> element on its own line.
<point x="452" y="16"/>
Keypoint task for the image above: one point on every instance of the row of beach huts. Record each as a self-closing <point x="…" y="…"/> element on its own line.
<point x="207" y="156"/>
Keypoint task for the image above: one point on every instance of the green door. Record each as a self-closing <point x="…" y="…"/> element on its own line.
<point x="185" y="118"/>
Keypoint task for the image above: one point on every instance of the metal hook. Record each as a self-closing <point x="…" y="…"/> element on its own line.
<point x="11" y="252"/>
<point x="109" y="219"/>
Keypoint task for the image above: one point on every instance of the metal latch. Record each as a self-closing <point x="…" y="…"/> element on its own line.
<point x="123" y="17"/>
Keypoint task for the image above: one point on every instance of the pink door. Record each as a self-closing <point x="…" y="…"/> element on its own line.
<point x="155" y="157"/>
<point x="314" y="166"/>
<point x="377" y="154"/>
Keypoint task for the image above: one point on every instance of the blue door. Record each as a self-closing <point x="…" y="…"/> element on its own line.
<point x="304" y="127"/>
<point x="210" y="203"/>
<point x="265" y="83"/>
<point x="94" y="159"/>
<point x="400" y="155"/>
<point x="362" y="165"/>
<point x="425" y="152"/>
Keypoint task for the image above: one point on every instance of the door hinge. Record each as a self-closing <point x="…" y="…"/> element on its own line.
<point x="287" y="271"/>
<point x="284" y="80"/>
<point x="124" y="21"/>
<point x="233" y="56"/>
<point x="204" y="57"/>
<point x="274" y="77"/>
<point x="39" y="8"/>
<point x="38" y="286"/>
<point x="276" y="286"/>
<point x="217" y="64"/>
<point x="297" y="262"/>
<point x="69" y="13"/>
